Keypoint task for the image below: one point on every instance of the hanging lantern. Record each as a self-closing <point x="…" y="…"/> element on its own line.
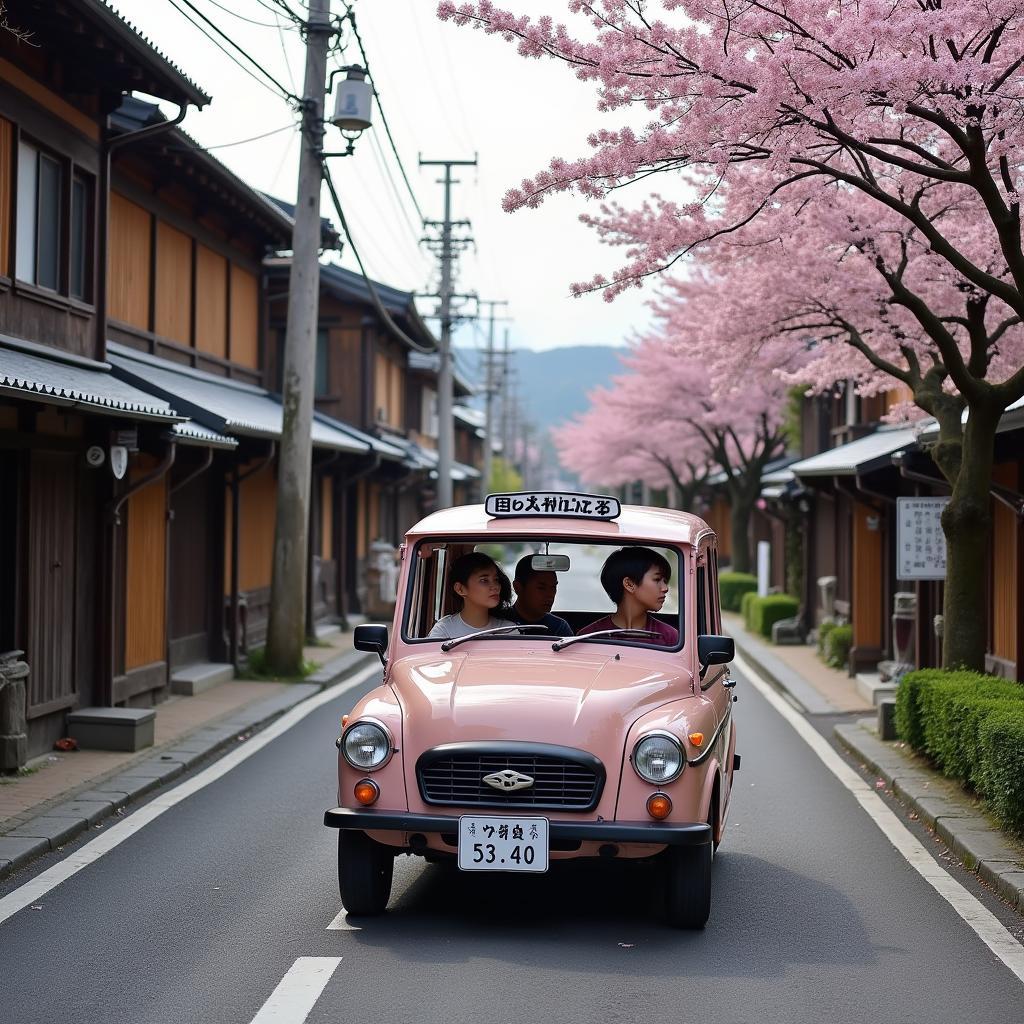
<point x="352" y="101"/>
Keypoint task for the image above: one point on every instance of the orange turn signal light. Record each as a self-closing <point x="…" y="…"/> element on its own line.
<point x="696" y="738"/>
<point x="659" y="806"/>
<point x="366" y="792"/>
<point x="344" y="721"/>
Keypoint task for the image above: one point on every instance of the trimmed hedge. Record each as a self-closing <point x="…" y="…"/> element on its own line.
<point x="838" y="642"/>
<point x="823" y="632"/>
<point x="746" y="603"/>
<point x="972" y="727"/>
<point x="732" y="586"/>
<point x="764" y="612"/>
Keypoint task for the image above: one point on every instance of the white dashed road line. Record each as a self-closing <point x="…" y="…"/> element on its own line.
<point x="112" y="837"/>
<point x="982" y="921"/>
<point x="298" y="991"/>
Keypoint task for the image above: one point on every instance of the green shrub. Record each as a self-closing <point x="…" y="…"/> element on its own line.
<point x="837" y="646"/>
<point x="1001" y="757"/>
<point x="764" y="612"/>
<point x="972" y="727"/>
<point x="746" y="603"/>
<point x="823" y="631"/>
<point x="732" y="586"/>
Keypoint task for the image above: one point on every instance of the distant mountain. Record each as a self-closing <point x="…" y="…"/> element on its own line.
<point x="551" y="386"/>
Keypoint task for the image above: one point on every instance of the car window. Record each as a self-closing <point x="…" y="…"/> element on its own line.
<point x="577" y="596"/>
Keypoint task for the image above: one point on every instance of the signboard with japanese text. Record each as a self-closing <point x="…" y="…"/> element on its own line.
<point x="554" y="504"/>
<point x="920" y="542"/>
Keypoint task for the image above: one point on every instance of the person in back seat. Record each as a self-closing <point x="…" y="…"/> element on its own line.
<point x="636" y="579"/>
<point x="535" y="594"/>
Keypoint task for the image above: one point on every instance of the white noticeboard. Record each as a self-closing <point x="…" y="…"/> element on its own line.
<point x="764" y="567"/>
<point x="920" y="542"/>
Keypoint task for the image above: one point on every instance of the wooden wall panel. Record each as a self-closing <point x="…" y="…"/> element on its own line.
<point x="245" y="317"/>
<point x="346" y="373"/>
<point x="362" y="501"/>
<point x="897" y="395"/>
<point x="380" y="389"/>
<point x="327" y="518"/>
<point x="1005" y="613"/>
<point x="130" y="257"/>
<point x="145" y="591"/>
<point x="211" y="302"/>
<point x="258" y="513"/>
<point x="172" y="317"/>
<point x="6" y="195"/>
<point x="867" y="609"/>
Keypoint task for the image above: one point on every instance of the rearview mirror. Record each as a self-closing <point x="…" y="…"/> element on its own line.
<point x="371" y="637"/>
<point x="550" y="563"/>
<point x="715" y="650"/>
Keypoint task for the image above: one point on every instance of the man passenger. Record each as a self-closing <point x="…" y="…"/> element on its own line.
<point x="535" y="594"/>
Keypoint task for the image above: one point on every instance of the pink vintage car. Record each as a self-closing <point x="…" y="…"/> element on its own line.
<point x="591" y="718"/>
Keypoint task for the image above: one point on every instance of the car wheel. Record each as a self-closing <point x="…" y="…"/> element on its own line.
<point x="689" y="885"/>
<point x="365" y="869"/>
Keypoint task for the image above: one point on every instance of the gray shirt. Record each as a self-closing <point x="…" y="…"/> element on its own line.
<point x="452" y="626"/>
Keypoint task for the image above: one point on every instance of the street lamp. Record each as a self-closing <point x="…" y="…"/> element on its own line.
<point x="352" y="105"/>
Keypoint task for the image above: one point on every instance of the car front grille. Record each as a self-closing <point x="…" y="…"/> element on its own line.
<point x="564" y="778"/>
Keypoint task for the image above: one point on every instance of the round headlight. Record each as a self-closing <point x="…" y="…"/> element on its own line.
<point x="658" y="758"/>
<point x="366" y="745"/>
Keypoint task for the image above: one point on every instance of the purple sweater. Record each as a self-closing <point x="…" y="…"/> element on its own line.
<point x="667" y="635"/>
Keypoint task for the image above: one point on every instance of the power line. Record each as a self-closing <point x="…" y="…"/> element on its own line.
<point x="379" y="155"/>
<point x="241" y="17"/>
<point x="252" y="60"/>
<point x="383" y="116"/>
<point x="240" y="142"/>
<point x="281" y="6"/>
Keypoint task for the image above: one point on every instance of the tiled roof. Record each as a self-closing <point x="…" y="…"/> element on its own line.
<point x="53" y="378"/>
<point x="860" y="456"/>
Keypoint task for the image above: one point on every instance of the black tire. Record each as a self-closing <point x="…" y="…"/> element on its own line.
<point x="365" y="869"/>
<point x="689" y="885"/>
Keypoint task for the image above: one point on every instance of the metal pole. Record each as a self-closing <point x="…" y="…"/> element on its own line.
<point x="489" y="392"/>
<point x="286" y="630"/>
<point x="445" y="376"/>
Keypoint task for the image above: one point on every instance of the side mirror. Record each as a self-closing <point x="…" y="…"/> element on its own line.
<point x="371" y="637"/>
<point x="713" y="650"/>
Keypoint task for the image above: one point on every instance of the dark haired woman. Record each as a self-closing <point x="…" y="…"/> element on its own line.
<point x="482" y="592"/>
<point x="636" y="579"/>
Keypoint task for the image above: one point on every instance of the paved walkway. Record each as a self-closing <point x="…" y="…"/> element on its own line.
<point x="57" y="775"/>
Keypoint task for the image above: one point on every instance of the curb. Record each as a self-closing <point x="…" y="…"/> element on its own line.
<point x="981" y="848"/>
<point x="782" y="677"/>
<point x="57" y="825"/>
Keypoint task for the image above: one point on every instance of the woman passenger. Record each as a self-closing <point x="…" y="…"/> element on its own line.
<point x="482" y="593"/>
<point x="636" y="579"/>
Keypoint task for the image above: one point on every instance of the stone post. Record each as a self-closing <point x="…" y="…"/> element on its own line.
<point x="13" y="724"/>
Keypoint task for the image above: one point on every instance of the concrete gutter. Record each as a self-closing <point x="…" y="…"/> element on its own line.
<point x="938" y="802"/>
<point x="59" y="824"/>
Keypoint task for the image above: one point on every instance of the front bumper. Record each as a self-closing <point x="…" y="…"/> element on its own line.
<point x="660" y="832"/>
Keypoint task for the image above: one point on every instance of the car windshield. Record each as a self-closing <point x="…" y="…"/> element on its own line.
<point x="458" y="588"/>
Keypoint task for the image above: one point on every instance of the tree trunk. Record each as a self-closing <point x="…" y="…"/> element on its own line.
<point x="967" y="523"/>
<point x="740" y="510"/>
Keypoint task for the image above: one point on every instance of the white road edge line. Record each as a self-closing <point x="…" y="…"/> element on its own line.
<point x="113" y="836"/>
<point x="981" y="920"/>
<point x="341" y="923"/>
<point x="298" y="991"/>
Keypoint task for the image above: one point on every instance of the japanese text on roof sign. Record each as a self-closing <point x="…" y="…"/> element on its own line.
<point x="553" y="503"/>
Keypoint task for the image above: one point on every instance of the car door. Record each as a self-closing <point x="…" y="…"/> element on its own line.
<point x="716" y="684"/>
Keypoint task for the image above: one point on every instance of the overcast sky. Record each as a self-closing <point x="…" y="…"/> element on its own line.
<point x="447" y="93"/>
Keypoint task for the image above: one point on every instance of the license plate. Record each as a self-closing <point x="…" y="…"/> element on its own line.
<point x="502" y="844"/>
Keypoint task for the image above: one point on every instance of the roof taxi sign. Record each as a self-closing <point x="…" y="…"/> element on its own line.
<point x="552" y="504"/>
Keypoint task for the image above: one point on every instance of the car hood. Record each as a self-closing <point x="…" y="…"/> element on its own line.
<point x="586" y="700"/>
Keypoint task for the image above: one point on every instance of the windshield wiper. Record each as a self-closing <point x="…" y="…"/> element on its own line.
<point x="559" y="644"/>
<point x="494" y="631"/>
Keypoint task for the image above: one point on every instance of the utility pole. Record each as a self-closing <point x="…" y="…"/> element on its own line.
<point x="490" y="390"/>
<point x="448" y="251"/>
<point x="287" y="626"/>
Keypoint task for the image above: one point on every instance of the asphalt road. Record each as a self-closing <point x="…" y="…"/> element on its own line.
<point x="201" y="914"/>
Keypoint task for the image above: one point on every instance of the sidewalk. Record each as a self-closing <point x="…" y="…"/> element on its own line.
<point x="928" y="796"/>
<point x="64" y="793"/>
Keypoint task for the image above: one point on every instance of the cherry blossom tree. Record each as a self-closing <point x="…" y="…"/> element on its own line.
<point x="665" y="422"/>
<point x="910" y="110"/>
